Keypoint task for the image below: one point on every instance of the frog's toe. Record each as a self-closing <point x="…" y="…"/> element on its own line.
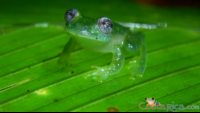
<point x="100" y="78"/>
<point x="96" y="77"/>
<point x="85" y="76"/>
<point x="139" y="74"/>
<point x="97" y="67"/>
<point x="133" y="75"/>
<point x="99" y="75"/>
<point x="132" y="78"/>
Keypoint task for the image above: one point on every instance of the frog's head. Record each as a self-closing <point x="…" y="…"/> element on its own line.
<point x="87" y="30"/>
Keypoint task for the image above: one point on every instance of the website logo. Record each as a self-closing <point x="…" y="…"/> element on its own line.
<point x="152" y="104"/>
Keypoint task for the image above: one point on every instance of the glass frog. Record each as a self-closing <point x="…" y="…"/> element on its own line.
<point x="103" y="35"/>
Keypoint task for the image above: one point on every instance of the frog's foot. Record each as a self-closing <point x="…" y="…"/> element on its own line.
<point x="97" y="67"/>
<point x="132" y="78"/>
<point x="63" y="61"/>
<point x="100" y="74"/>
<point x="133" y="75"/>
<point x="139" y="75"/>
<point x="138" y="70"/>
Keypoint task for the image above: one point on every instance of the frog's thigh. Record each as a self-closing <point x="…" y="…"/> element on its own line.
<point x="142" y="25"/>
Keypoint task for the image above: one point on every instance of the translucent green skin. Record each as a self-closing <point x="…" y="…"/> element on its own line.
<point x="85" y="32"/>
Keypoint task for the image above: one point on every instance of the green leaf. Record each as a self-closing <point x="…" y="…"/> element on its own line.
<point x="31" y="80"/>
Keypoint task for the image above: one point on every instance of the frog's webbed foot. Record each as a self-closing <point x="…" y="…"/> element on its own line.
<point x="138" y="69"/>
<point x="100" y="74"/>
<point x="135" y="70"/>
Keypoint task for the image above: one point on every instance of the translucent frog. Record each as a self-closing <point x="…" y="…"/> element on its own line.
<point x="103" y="35"/>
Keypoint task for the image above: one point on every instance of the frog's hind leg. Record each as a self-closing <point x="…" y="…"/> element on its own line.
<point x="133" y="26"/>
<point x="136" y="42"/>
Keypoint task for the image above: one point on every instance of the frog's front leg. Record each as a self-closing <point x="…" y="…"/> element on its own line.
<point x="133" y="43"/>
<point x="69" y="47"/>
<point x="115" y="66"/>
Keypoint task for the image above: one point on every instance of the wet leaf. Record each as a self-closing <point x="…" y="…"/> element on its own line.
<point x="31" y="80"/>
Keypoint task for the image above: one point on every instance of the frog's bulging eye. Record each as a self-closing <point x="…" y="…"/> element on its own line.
<point x="105" y="25"/>
<point x="70" y="14"/>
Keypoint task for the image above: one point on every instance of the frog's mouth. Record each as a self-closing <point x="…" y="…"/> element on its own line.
<point x="90" y="43"/>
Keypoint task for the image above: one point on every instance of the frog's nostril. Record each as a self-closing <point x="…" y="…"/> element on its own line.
<point x="70" y="14"/>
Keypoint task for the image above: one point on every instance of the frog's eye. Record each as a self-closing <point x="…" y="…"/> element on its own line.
<point x="70" y="14"/>
<point x="105" y="25"/>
